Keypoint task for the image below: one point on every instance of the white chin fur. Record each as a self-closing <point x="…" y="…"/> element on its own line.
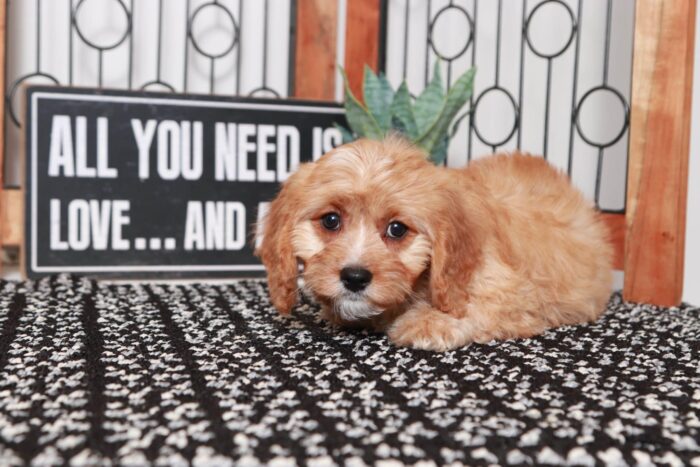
<point x="353" y="309"/>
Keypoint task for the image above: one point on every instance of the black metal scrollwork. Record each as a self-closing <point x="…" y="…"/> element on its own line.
<point x="467" y="38"/>
<point x="125" y="37"/>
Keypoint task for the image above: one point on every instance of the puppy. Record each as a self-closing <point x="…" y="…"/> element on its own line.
<point x="437" y="257"/>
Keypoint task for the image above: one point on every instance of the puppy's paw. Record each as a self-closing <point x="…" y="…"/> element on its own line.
<point x="426" y="328"/>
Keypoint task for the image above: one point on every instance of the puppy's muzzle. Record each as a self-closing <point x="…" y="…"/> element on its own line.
<point x="355" y="279"/>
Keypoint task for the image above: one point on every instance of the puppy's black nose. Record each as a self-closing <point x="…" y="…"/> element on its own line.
<point x="355" y="279"/>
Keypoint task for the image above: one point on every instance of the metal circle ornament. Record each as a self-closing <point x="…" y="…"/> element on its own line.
<point x="625" y="123"/>
<point x="264" y="92"/>
<point x="156" y="84"/>
<point x="516" y="115"/>
<point x="470" y="36"/>
<point x="94" y="44"/>
<point x="226" y="14"/>
<point x="562" y="48"/>
<point x="16" y="86"/>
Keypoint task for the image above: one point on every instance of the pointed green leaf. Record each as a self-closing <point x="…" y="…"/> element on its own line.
<point x="430" y="102"/>
<point x="402" y="110"/>
<point x="397" y="125"/>
<point x="439" y="154"/>
<point x="457" y="96"/>
<point x="359" y="118"/>
<point x="378" y="97"/>
<point x="346" y="134"/>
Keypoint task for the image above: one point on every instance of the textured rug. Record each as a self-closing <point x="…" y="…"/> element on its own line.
<point x="93" y="373"/>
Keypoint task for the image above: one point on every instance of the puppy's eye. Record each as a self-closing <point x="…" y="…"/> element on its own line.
<point x="396" y="230"/>
<point x="331" y="221"/>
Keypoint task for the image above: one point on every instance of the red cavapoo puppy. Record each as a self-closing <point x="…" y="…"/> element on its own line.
<point x="437" y="257"/>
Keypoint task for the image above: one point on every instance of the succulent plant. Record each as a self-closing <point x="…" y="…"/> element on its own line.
<point x="425" y="121"/>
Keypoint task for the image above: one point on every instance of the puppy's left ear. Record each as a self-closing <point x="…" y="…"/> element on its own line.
<point x="457" y="241"/>
<point x="275" y="240"/>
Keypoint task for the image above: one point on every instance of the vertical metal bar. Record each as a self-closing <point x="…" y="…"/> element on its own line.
<point x="266" y="27"/>
<point x="606" y="62"/>
<point x="383" y="19"/>
<point x="427" y="42"/>
<point x="70" y="42"/>
<point x="574" y="98"/>
<point x="4" y="107"/>
<point x="498" y="41"/>
<point x="606" y="67"/>
<point x="131" y="46"/>
<point x="240" y="44"/>
<point x="546" y="107"/>
<point x="187" y="45"/>
<point x="291" y="55"/>
<point x="449" y="63"/>
<point x="598" y="176"/>
<point x="521" y="99"/>
<point x="99" y="68"/>
<point x="160" y="39"/>
<point x="211" y="76"/>
<point x="212" y="67"/>
<point x="405" y="38"/>
<point x="470" y="128"/>
<point x="38" y="36"/>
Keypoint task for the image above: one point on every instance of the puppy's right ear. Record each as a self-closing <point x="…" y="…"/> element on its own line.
<point x="274" y="238"/>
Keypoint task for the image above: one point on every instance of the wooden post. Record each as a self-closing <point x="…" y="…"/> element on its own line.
<point x="659" y="143"/>
<point x="361" y="40"/>
<point x="315" y="60"/>
<point x="12" y="220"/>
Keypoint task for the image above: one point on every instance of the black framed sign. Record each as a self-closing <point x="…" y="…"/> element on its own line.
<point x="124" y="183"/>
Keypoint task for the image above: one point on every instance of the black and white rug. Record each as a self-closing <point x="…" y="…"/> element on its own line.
<point x="93" y="373"/>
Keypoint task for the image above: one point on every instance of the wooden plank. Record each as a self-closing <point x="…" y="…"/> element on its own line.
<point x="3" y="32"/>
<point x="12" y="219"/>
<point x="659" y="145"/>
<point x="616" y="227"/>
<point x="362" y="29"/>
<point x="315" y="59"/>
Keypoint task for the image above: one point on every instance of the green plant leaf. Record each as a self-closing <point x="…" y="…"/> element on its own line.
<point x="346" y="134"/>
<point x="378" y="96"/>
<point x="457" y="96"/>
<point x="359" y="118"/>
<point x="402" y="111"/>
<point x="396" y="125"/>
<point x="429" y="104"/>
<point x="439" y="154"/>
